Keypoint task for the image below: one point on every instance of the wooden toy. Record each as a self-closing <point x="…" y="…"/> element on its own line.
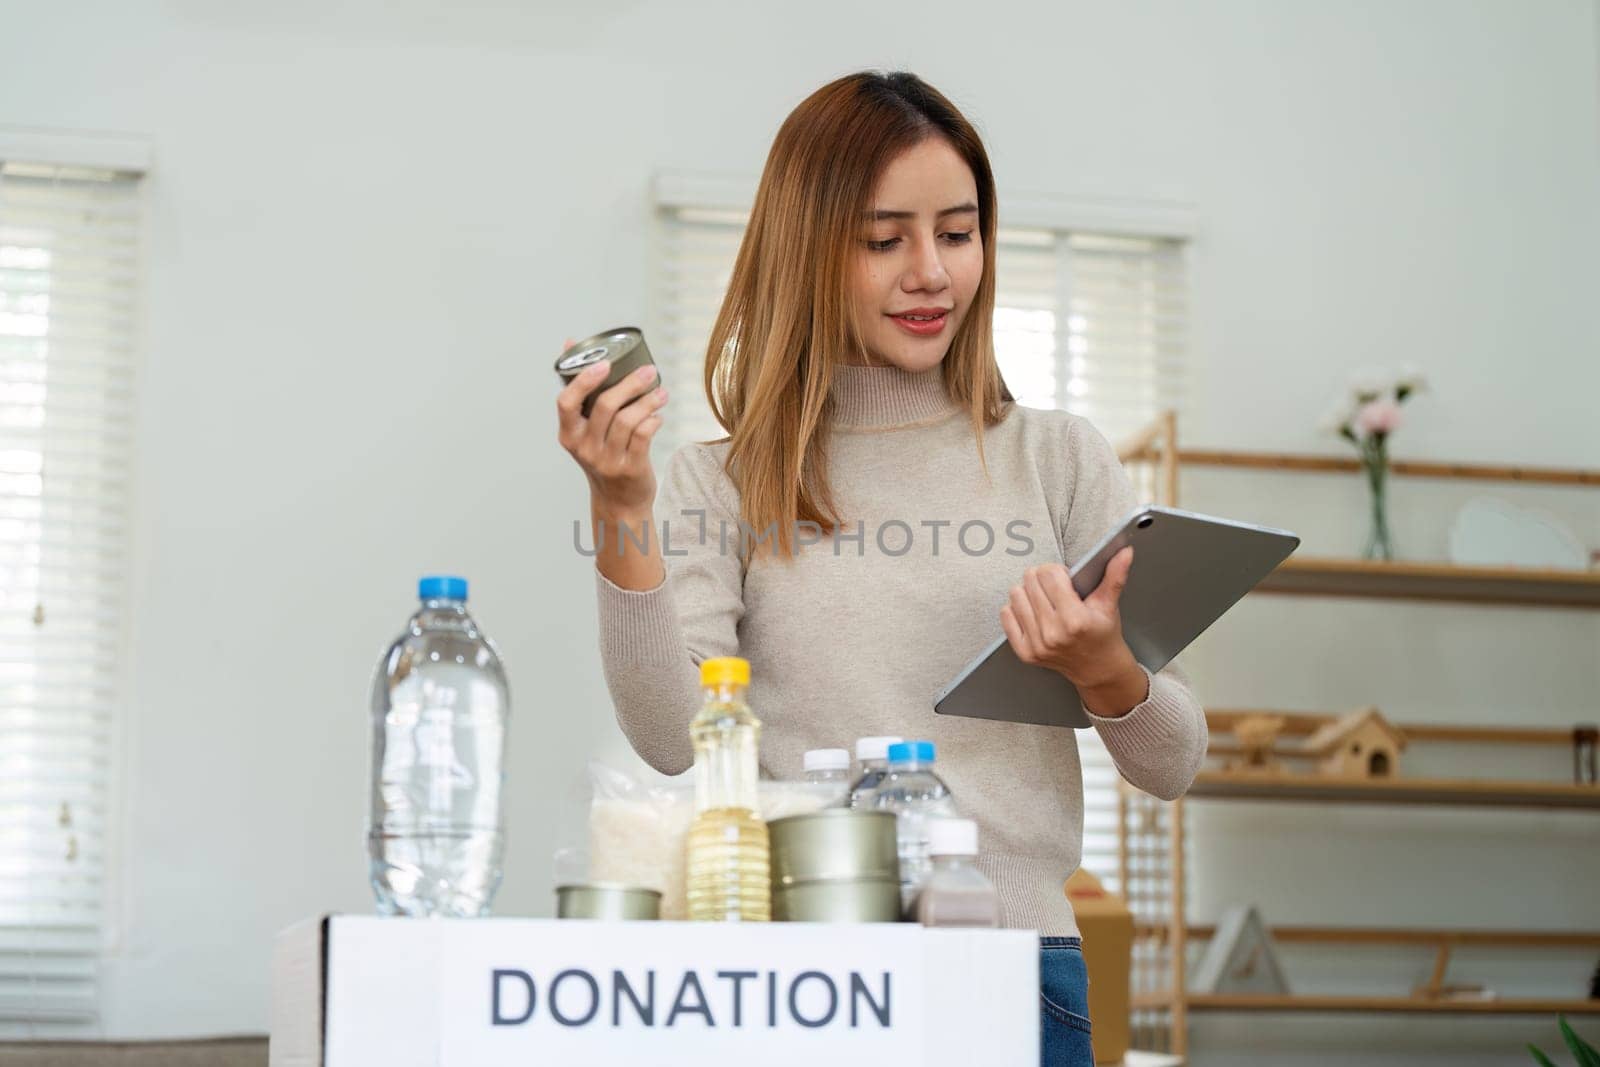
<point x="1361" y="744"/>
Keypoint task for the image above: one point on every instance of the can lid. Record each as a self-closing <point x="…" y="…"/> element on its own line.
<point x="827" y="759"/>
<point x="725" y="670"/>
<point x="582" y="358"/>
<point x="875" y="747"/>
<point x="952" y="837"/>
<point x="442" y="587"/>
<point x="612" y="344"/>
<point x="912" y="752"/>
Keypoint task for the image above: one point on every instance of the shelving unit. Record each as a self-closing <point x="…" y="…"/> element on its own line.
<point x="1404" y="1005"/>
<point x="1157" y="448"/>
<point x="1466" y="791"/>
<point x="1151" y="833"/>
<point x="1436" y="581"/>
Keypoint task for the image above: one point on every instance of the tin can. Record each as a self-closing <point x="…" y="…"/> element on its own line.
<point x="834" y="844"/>
<point x="853" y="900"/>
<point x="604" y="900"/>
<point x="623" y="346"/>
<point x="835" y="865"/>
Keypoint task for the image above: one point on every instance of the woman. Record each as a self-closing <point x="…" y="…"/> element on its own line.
<point x="878" y="507"/>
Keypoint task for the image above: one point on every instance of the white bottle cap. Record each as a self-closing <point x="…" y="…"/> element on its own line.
<point x="952" y="837"/>
<point x="875" y="747"/>
<point x="827" y="759"/>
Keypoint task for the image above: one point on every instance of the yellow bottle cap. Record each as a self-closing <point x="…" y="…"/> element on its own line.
<point x="725" y="670"/>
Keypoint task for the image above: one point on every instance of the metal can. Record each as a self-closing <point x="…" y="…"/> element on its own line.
<point x="623" y="346"/>
<point x="834" y="844"/>
<point x="835" y="865"/>
<point x="858" y="900"/>
<point x="605" y="900"/>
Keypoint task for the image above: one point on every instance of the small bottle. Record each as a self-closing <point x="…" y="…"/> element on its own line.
<point x="917" y="796"/>
<point x="826" y="766"/>
<point x="873" y="755"/>
<point x="728" y="878"/>
<point x="956" y="893"/>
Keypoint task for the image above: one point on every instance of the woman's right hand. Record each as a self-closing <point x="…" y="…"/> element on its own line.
<point x="612" y="444"/>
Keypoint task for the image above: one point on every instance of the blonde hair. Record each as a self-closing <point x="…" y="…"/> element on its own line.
<point x="787" y="320"/>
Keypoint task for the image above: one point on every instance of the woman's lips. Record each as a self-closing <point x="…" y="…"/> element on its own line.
<point x="921" y="323"/>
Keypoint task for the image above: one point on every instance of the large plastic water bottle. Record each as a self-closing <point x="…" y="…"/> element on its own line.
<point x="917" y="796"/>
<point x="440" y="704"/>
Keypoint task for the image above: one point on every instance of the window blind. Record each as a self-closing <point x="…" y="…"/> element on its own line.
<point x="1094" y="323"/>
<point x="69" y="249"/>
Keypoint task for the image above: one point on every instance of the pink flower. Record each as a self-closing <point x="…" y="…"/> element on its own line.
<point x="1378" y="416"/>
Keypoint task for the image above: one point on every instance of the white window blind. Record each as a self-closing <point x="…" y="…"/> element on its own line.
<point x="696" y="254"/>
<point x="69" y="240"/>
<point x="1094" y="323"/>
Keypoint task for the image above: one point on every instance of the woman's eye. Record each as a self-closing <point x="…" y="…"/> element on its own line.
<point x="961" y="238"/>
<point x="884" y="245"/>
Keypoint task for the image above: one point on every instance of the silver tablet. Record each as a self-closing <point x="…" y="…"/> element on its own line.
<point x="1188" y="570"/>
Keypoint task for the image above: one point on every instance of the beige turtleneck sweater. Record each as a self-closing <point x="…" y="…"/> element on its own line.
<point x="854" y="636"/>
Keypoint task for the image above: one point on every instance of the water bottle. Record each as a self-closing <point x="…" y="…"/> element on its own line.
<point x="916" y="795"/>
<point x="828" y="766"/>
<point x="873" y="755"/>
<point x="440" y="704"/>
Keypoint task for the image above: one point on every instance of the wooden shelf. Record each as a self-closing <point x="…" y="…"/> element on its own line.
<point x="1296" y="724"/>
<point x="1416" y="936"/>
<point x="1312" y="576"/>
<point x="1465" y="791"/>
<point x="1401" y="1005"/>
<point x="1345" y="464"/>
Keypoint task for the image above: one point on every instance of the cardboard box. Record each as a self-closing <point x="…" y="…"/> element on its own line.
<point x="358" y="990"/>
<point x="1107" y="928"/>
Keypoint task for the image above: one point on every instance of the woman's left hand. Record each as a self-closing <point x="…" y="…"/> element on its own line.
<point x="1050" y="625"/>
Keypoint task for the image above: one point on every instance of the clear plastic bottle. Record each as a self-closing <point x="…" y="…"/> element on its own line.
<point x="873" y="755"/>
<point x="956" y="893"/>
<point x="440" y="707"/>
<point x="828" y="766"/>
<point x="916" y="795"/>
<point x="729" y="878"/>
<point x="827" y="777"/>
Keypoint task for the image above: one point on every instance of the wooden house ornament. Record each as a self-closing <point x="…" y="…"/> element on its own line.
<point x="1361" y="744"/>
<point x="1256" y="736"/>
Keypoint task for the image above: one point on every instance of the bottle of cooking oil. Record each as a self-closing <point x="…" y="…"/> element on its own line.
<point x="728" y="878"/>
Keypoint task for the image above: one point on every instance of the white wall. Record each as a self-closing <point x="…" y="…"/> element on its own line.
<point x="372" y="224"/>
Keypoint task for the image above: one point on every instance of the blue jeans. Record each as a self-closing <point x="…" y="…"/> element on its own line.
<point x="1063" y="1004"/>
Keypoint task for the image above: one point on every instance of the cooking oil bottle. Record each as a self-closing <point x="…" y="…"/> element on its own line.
<point x="728" y="879"/>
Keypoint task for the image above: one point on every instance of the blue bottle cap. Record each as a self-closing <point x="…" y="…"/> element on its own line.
<point x="908" y="751"/>
<point x="442" y="587"/>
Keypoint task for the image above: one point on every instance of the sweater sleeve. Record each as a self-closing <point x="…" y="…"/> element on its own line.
<point x="652" y="641"/>
<point x="1159" y="745"/>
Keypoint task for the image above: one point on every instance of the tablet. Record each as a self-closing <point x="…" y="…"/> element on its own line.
<point x="1188" y="570"/>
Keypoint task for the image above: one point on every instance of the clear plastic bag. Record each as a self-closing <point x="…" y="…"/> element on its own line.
<point x="620" y="830"/>
<point x="637" y="834"/>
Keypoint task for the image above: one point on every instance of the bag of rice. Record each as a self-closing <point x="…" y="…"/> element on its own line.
<point x="638" y="834"/>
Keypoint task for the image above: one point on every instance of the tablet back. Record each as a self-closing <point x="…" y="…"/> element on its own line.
<point x="1188" y="570"/>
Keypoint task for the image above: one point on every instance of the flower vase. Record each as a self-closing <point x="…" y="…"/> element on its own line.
<point x="1375" y="459"/>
